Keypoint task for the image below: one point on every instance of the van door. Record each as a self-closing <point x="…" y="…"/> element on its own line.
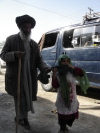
<point x="84" y="54"/>
<point x="48" y="48"/>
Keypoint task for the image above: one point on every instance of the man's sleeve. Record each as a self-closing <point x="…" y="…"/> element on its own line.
<point x="6" y="54"/>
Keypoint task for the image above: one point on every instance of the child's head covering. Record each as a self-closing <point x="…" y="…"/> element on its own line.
<point x="62" y="57"/>
<point x="63" y="69"/>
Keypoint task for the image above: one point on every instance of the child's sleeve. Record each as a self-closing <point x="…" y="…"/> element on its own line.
<point x="78" y="71"/>
<point x="82" y="78"/>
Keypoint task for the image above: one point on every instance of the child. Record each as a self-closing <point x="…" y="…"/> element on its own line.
<point x="66" y="102"/>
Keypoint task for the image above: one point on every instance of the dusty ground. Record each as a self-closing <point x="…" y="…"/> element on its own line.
<point x="43" y="120"/>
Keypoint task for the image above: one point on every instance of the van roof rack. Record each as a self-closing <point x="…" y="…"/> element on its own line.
<point x="91" y="17"/>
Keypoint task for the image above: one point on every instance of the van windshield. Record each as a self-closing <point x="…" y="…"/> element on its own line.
<point x="48" y="40"/>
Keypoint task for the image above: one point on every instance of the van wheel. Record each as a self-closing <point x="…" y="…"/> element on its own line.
<point x="48" y="87"/>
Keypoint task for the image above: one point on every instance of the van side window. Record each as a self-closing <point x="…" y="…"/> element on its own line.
<point x="86" y="40"/>
<point x="67" y="39"/>
<point x="76" y="41"/>
<point x="76" y="37"/>
<point x="48" y="40"/>
<point x="96" y="36"/>
<point x="86" y="36"/>
<point x="83" y="37"/>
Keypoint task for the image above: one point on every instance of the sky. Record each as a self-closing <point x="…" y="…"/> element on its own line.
<point x="49" y="14"/>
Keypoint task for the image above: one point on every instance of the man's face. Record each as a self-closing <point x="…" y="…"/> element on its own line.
<point x="26" y="29"/>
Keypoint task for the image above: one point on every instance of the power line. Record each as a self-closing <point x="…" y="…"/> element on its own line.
<point x="40" y="8"/>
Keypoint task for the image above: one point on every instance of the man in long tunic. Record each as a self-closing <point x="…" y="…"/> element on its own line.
<point x="21" y="45"/>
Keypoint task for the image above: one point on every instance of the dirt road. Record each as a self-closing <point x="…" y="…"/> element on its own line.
<point x="43" y="120"/>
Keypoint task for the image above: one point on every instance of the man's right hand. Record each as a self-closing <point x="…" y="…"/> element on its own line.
<point x="19" y="54"/>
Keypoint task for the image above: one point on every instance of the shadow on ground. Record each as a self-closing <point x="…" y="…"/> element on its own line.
<point x="91" y="93"/>
<point x="43" y="120"/>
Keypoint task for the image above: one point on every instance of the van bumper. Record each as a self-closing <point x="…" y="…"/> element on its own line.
<point x="95" y="85"/>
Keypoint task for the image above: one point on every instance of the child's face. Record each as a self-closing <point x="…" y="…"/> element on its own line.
<point x="65" y="61"/>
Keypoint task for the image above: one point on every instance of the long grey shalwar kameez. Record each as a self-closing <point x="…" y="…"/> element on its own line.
<point x="27" y="78"/>
<point x="26" y="97"/>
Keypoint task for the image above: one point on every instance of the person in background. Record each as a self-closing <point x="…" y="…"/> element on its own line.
<point x="64" y="76"/>
<point x="22" y="46"/>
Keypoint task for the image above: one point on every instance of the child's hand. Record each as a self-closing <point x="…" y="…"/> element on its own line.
<point x="70" y="65"/>
<point x="54" y="72"/>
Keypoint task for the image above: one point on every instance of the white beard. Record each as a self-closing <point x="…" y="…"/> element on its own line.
<point x="24" y="37"/>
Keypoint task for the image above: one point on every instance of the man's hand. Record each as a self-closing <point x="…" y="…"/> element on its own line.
<point x="19" y="54"/>
<point x="48" y="69"/>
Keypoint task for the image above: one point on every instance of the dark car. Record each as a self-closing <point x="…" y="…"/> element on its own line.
<point x="81" y="42"/>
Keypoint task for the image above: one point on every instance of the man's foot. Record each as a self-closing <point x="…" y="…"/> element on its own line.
<point x="66" y="130"/>
<point x="24" y="123"/>
<point x="61" y="131"/>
